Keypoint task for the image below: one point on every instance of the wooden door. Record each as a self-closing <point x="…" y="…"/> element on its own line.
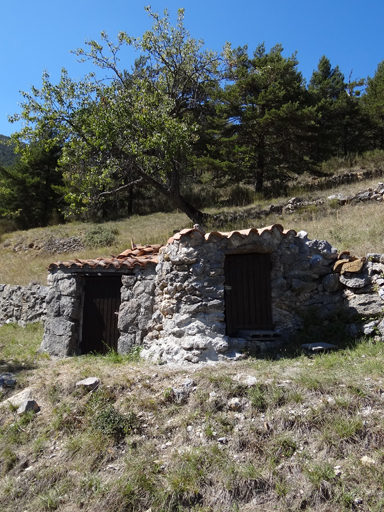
<point x="248" y="304"/>
<point x="101" y="305"/>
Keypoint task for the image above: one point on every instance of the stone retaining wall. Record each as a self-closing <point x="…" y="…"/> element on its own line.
<point x="22" y="305"/>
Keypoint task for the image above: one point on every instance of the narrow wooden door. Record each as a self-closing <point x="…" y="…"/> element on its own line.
<point x="101" y="305"/>
<point x="248" y="304"/>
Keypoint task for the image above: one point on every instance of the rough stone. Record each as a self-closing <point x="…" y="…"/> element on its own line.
<point x="354" y="266"/>
<point x="17" y="399"/>
<point x="331" y="283"/>
<point x="234" y="404"/>
<point x="369" y="328"/>
<point x="364" y="305"/>
<point x="89" y="383"/>
<point x="355" y="280"/>
<point x="7" y="380"/>
<point x="299" y="286"/>
<point x="323" y="248"/>
<point x="28" y="405"/>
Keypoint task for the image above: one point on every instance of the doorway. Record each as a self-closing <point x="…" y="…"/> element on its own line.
<point x="100" y="314"/>
<point x="248" y="302"/>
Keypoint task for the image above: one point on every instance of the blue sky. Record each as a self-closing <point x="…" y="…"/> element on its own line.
<point x="37" y="36"/>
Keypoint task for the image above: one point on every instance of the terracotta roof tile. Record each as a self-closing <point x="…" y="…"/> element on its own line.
<point x="228" y="234"/>
<point x="138" y="256"/>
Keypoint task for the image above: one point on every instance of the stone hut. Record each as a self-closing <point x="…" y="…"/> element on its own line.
<point x="202" y="296"/>
<point x="100" y="305"/>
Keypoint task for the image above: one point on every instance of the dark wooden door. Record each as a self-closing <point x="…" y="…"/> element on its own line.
<point x="248" y="304"/>
<point x="101" y="305"/>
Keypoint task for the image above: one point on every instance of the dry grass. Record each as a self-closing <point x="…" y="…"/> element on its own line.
<point x="296" y="441"/>
<point x="26" y="266"/>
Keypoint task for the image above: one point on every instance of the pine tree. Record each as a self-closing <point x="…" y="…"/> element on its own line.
<point x="31" y="190"/>
<point x="268" y="121"/>
<point x="373" y="102"/>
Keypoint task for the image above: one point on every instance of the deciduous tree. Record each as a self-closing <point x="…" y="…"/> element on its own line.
<point x="130" y="126"/>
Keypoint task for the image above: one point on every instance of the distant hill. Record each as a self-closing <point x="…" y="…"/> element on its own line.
<point x="7" y="156"/>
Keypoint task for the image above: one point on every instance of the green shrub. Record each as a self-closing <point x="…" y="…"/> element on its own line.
<point x="112" y="423"/>
<point x="100" y="236"/>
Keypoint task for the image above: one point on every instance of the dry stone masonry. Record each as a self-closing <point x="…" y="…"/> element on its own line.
<point x="135" y="313"/>
<point x="189" y="319"/>
<point x="64" y="311"/>
<point x="296" y="203"/>
<point x="22" y="305"/>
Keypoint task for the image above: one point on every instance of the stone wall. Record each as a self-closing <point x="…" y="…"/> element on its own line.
<point x="64" y="311"/>
<point x="136" y="309"/>
<point x="189" y="319"/>
<point x="22" y="304"/>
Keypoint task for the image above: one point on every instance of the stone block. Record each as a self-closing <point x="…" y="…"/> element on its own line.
<point x="89" y="383"/>
<point x="68" y="287"/>
<point x="28" y="405"/>
<point x="355" y="280"/>
<point x="299" y="286"/>
<point x="365" y="305"/>
<point x="331" y="283"/>
<point x="126" y="343"/>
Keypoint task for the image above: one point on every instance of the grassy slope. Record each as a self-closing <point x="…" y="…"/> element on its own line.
<point x="297" y="441"/>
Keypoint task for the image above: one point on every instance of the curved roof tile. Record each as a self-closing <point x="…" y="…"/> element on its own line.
<point x="139" y="255"/>
<point x="142" y="255"/>
<point x="228" y="234"/>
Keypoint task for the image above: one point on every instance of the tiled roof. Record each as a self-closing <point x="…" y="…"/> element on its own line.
<point x="228" y="234"/>
<point x="139" y="255"/>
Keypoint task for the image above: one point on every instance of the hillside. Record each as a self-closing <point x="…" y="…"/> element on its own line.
<point x="354" y="226"/>
<point x="7" y="155"/>
<point x="287" y="434"/>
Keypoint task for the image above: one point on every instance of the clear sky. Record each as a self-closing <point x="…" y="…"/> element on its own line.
<point x="37" y="36"/>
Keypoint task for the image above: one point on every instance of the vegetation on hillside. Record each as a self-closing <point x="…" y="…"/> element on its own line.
<point x="287" y="434"/>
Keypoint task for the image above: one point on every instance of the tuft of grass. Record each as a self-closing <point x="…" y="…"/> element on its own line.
<point x="318" y="473"/>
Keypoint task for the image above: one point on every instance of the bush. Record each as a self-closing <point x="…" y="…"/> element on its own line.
<point x="112" y="423"/>
<point x="100" y="236"/>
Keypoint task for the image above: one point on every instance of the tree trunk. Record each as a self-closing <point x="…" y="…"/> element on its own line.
<point x="173" y="194"/>
<point x="260" y="173"/>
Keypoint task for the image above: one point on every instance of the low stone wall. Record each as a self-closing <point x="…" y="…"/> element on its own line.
<point x="22" y="304"/>
<point x="296" y="203"/>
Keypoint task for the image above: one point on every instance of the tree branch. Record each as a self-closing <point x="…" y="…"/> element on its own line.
<point x="119" y="189"/>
